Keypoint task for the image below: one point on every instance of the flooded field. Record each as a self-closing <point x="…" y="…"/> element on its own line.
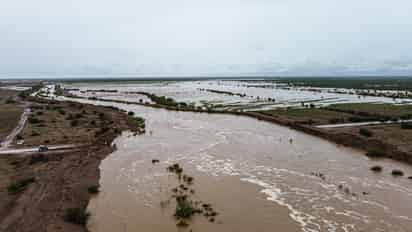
<point x="230" y="95"/>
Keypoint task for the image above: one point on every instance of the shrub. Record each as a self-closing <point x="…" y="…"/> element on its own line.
<point x="131" y="113"/>
<point x="397" y="172"/>
<point x="74" y="123"/>
<point x="38" y="158"/>
<point x="406" y="126"/>
<point x="93" y="189"/>
<point x="34" y="120"/>
<point x="70" y="117"/>
<point x="376" y="168"/>
<point x="35" y="133"/>
<point x="20" y="185"/>
<point x="309" y="122"/>
<point x="365" y="132"/>
<point x="336" y="120"/>
<point x="140" y="122"/>
<point x="62" y="112"/>
<point x="57" y="108"/>
<point x="375" y="153"/>
<point x="102" y="131"/>
<point x="76" y="216"/>
<point x="117" y="130"/>
<point x="184" y="209"/>
<point x="182" y="223"/>
<point x="359" y="119"/>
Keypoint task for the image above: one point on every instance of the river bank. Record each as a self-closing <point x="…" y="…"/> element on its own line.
<point x="10" y="111"/>
<point x="41" y="190"/>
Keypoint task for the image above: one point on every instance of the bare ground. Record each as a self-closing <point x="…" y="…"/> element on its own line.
<point x="61" y="179"/>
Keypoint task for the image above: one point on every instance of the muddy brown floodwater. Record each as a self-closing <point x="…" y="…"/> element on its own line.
<point x="257" y="175"/>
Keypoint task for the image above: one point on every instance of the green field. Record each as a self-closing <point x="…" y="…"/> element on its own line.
<point x="398" y="83"/>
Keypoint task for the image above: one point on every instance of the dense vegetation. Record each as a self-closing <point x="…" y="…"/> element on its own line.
<point x="375" y="153"/>
<point x="376" y="168"/>
<point x="20" y="185"/>
<point x="406" y="126"/>
<point x="186" y="206"/>
<point x="365" y="132"/>
<point x="165" y="101"/>
<point x="140" y="122"/>
<point x="93" y="189"/>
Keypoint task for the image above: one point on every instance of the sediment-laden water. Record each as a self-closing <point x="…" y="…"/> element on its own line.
<point x="257" y="175"/>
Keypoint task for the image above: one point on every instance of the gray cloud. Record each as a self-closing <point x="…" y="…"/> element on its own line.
<point x="182" y="37"/>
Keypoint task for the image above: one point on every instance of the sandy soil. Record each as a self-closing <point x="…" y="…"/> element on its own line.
<point x="61" y="179"/>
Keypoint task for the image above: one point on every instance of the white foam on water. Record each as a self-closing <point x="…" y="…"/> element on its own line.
<point x="274" y="193"/>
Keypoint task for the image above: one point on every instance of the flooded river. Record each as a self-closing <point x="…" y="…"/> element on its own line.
<point x="258" y="176"/>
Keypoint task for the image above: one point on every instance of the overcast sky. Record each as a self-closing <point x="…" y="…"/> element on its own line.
<point x="205" y="37"/>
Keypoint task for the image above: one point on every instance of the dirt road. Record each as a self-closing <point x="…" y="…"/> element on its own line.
<point x="32" y="150"/>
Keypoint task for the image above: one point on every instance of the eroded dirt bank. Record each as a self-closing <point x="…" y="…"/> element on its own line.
<point x="58" y="181"/>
